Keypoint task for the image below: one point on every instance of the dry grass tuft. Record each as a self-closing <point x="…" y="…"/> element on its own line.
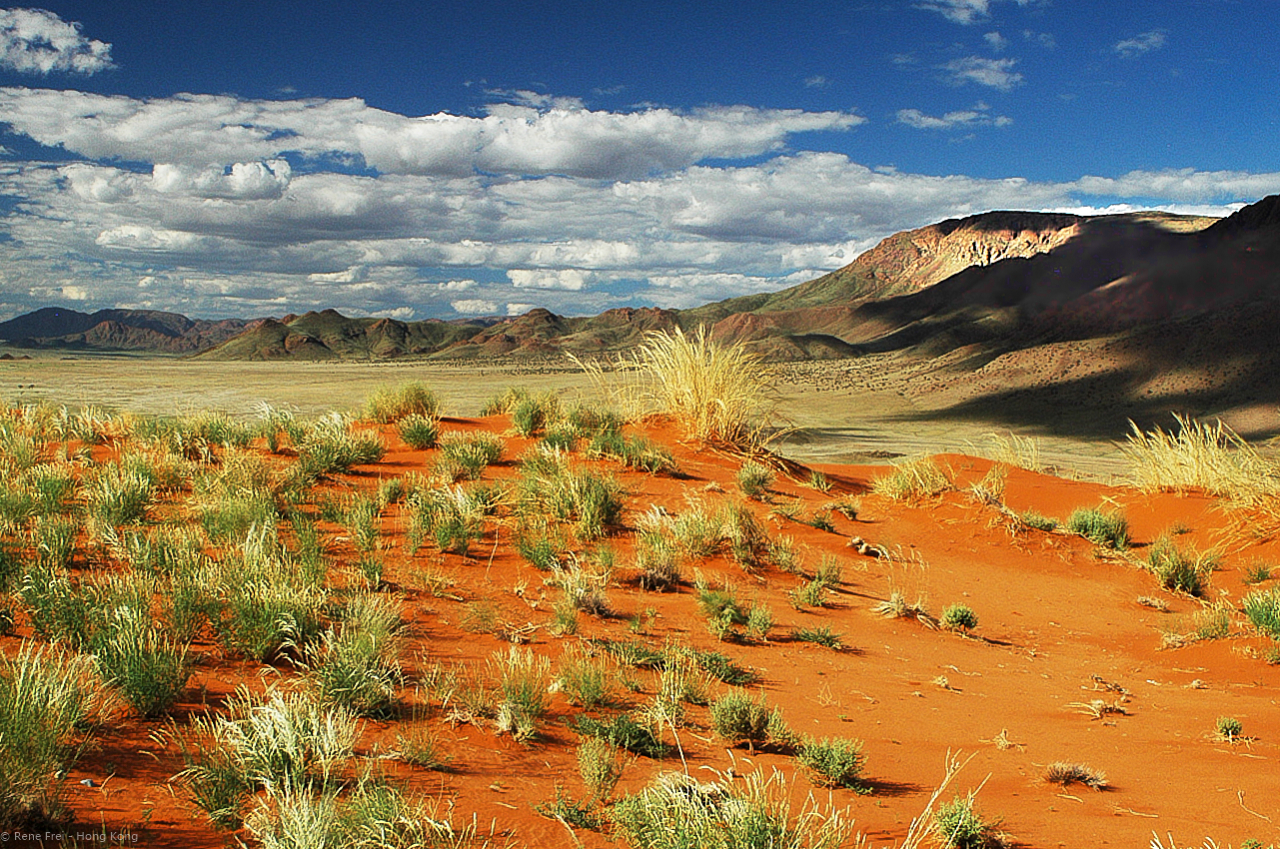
<point x="1066" y="773"/>
<point x="717" y="392"/>
<point x="1201" y="456"/>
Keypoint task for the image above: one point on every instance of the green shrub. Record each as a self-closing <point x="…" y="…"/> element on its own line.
<point x="1036" y="521"/>
<point x="737" y="718"/>
<point x="1262" y="607"/>
<point x="1110" y="530"/>
<point x="1257" y="573"/>
<point x="959" y="617"/>
<point x="1228" y="728"/>
<point x="392" y="403"/>
<point x="1178" y="571"/>
<point x="822" y="636"/>
<point x="754" y="479"/>
<point x="632" y="451"/>
<point x="419" y="432"/>
<point x="833" y="763"/>
<point x="625" y="733"/>
<point x="959" y="826"/>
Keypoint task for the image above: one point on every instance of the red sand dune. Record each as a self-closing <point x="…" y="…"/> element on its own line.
<point x="1058" y="625"/>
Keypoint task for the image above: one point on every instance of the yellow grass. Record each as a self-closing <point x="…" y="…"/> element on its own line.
<point x="1212" y="458"/>
<point x="717" y="392"/>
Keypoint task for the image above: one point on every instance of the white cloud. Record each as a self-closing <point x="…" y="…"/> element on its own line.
<point x="964" y="11"/>
<point x="275" y="239"/>
<point x="242" y="181"/>
<point x="816" y="81"/>
<point x="996" y="41"/>
<point x="995" y="73"/>
<point x="36" y="41"/>
<point x="519" y="309"/>
<point x="960" y="11"/>
<point x="573" y="279"/>
<point x="474" y="306"/>
<point x="978" y="116"/>
<point x="1142" y="43"/>
<point x="204" y="133"/>
<point x="401" y="313"/>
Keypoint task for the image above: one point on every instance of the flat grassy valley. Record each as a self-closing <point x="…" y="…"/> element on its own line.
<point x="701" y="602"/>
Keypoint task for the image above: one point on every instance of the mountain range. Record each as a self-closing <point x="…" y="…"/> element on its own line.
<point x="983" y="307"/>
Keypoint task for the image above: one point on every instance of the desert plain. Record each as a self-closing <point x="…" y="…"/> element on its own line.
<point x="1078" y="654"/>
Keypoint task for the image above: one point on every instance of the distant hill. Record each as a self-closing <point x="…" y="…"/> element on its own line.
<point x="117" y="330"/>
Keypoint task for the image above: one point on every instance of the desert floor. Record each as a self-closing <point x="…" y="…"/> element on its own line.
<point x="1065" y="664"/>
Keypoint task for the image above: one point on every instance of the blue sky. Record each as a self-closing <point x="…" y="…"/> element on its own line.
<point x="451" y="159"/>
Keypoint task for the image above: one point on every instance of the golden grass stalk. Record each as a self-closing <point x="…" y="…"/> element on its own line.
<point x="1201" y="456"/>
<point x="718" y="392"/>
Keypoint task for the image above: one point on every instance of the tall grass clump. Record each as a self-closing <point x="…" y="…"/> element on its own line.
<point x="833" y="762"/>
<point x="531" y="415"/>
<point x="524" y="681"/>
<point x="419" y="432"/>
<point x="1109" y="530"/>
<point x="268" y="604"/>
<point x="676" y="811"/>
<point x="47" y="699"/>
<point x="1179" y="571"/>
<point x="118" y="495"/>
<point x="330" y="446"/>
<point x="138" y="659"/>
<point x="715" y="391"/>
<point x="388" y="404"/>
<point x="356" y="666"/>
<point x="1262" y="607"/>
<point x="1201" y="456"/>
<point x="912" y="480"/>
<point x="279" y="741"/>
<point x="452" y="518"/>
<point x="466" y="455"/>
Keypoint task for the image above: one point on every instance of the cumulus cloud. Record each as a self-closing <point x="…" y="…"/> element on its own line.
<point x="201" y="133"/>
<point x="995" y="73"/>
<point x="197" y="234"/>
<point x="996" y="41"/>
<point x="36" y="41"/>
<point x="474" y="306"/>
<point x="241" y="181"/>
<point x="573" y="279"/>
<point x="1141" y="43"/>
<point x="519" y="309"/>
<point x="978" y="116"/>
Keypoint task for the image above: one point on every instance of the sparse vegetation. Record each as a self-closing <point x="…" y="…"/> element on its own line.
<point x="958" y="617"/>
<point x="1228" y="728"/>
<point x="913" y="480"/>
<point x="388" y="404"/>
<point x="833" y="763"/>
<point x="959" y="825"/>
<point x="1178" y="571"/>
<point x="1066" y="773"/>
<point x="1109" y="530"/>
